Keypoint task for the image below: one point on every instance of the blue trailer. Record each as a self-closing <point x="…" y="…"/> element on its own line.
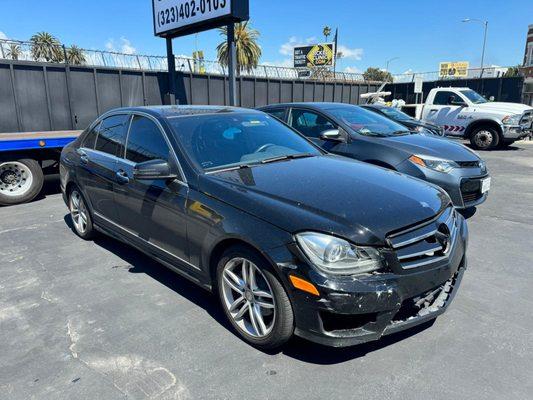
<point x="24" y="160"/>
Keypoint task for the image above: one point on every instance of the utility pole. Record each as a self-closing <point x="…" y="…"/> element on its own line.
<point x="232" y="55"/>
<point x="171" y="95"/>
<point x="486" y="26"/>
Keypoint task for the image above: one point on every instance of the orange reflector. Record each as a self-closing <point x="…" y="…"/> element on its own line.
<point x="301" y="284"/>
<point x="417" y="160"/>
<point x="42" y="143"/>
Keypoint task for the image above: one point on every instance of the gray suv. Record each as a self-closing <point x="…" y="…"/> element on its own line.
<point x="354" y="132"/>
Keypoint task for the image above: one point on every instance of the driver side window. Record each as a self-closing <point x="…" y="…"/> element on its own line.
<point x="309" y="123"/>
<point x="447" y="99"/>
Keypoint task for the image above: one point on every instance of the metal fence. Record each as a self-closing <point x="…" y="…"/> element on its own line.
<point x="26" y="51"/>
<point x="38" y="96"/>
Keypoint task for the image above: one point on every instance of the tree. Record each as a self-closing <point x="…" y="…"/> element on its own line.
<point x="47" y="47"/>
<point x="376" y="74"/>
<point x="512" y="72"/>
<point x="75" y="55"/>
<point x="326" y="31"/>
<point x="14" y="51"/>
<point x="248" y="50"/>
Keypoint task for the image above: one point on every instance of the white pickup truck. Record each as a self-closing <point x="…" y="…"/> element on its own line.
<point x="462" y="112"/>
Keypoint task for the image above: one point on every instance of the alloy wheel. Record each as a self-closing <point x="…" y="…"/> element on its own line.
<point x="78" y="212"/>
<point x="248" y="297"/>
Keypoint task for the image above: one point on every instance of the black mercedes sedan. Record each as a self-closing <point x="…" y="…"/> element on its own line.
<point x="292" y="240"/>
<point x="402" y="118"/>
<point x="352" y="131"/>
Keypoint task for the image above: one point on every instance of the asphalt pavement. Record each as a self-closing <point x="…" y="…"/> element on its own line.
<point x="99" y="320"/>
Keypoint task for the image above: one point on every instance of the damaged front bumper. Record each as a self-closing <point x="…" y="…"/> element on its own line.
<point x="354" y="310"/>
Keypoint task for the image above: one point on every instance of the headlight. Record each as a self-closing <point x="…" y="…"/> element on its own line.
<point x="436" y="164"/>
<point x="512" y="119"/>
<point x="483" y="166"/>
<point x="337" y="256"/>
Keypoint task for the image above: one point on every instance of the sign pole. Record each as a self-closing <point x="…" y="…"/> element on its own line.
<point x="232" y="55"/>
<point x="171" y="95"/>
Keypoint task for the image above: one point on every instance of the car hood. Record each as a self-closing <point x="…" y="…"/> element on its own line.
<point x="506" y="108"/>
<point x="331" y="194"/>
<point x="431" y="146"/>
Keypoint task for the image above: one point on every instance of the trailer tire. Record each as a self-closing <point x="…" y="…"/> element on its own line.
<point x="20" y="181"/>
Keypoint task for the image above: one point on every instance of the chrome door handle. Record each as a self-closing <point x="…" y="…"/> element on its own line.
<point x="84" y="158"/>
<point x="122" y="177"/>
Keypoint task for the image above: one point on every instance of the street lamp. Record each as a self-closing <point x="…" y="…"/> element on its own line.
<point x="388" y="61"/>
<point x="485" y="24"/>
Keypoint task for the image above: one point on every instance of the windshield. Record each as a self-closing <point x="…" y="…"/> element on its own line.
<point x="220" y="141"/>
<point x="474" y="97"/>
<point x="394" y="113"/>
<point x="367" y="122"/>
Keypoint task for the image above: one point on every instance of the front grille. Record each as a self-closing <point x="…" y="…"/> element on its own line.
<point x="471" y="190"/>
<point x="468" y="164"/>
<point x="428" y="243"/>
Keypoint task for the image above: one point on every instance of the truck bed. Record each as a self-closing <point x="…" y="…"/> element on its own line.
<point x="36" y="140"/>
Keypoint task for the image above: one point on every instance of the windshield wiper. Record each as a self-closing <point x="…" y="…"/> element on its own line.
<point x="286" y="157"/>
<point x="401" y="132"/>
<point x="226" y="169"/>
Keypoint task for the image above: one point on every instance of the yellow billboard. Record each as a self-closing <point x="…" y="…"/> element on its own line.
<point x="453" y="69"/>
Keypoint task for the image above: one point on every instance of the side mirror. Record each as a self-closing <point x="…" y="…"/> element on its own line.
<point x="153" y="169"/>
<point x="332" y="134"/>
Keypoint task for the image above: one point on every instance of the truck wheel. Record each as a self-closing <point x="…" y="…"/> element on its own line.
<point x="20" y="181"/>
<point x="484" y="138"/>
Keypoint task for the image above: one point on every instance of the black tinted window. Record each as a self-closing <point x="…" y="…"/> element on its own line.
<point x="112" y="134"/>
<point x="90" y="138"/>
<point x="309" y="123"/>
<point x="146" y="142"/>
<point x="279" y="113"/>
<point x="442" y="98"/>
<point x="220" y="140"/>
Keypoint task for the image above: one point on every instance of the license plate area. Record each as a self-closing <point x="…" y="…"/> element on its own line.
<point x="485" y="185"/>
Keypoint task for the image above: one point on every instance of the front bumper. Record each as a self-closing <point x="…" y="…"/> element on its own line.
<point x="514" y="132"/>
<point x="463" y="185"/>
<point x="358" y="309"/>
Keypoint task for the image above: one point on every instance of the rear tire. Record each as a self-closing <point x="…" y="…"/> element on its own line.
<point x="20" y="181"/>
<point x="80" y="215"/>
<point x="484" y="138"/>
<point x="263" y="293"/>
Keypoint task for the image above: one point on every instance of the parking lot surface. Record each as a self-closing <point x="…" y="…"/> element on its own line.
<point x="99" y="320"/>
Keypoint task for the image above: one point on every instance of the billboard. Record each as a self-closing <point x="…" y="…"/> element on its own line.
<point x="174" y="18"/>
<point x="318" y="55"/>
<point x="457" y="69"/>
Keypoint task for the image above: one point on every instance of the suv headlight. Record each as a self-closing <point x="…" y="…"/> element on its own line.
<point x="436" y="164"/>
<point x="337" y="256"/>
<point x="512" y="119"/>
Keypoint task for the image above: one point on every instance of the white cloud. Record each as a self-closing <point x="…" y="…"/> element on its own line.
<point x="3" y="35"/>
<point x="287" y="49"/>
<point x="353" y="54"/>
<point x="124" y="46"/>
<point x="353" y="70"/>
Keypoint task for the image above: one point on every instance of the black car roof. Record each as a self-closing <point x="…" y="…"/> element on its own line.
<point x="317" y="105"/>
<point x="185" y="110"/>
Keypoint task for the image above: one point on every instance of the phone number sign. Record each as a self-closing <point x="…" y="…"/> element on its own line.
<point x="173" y="18"/>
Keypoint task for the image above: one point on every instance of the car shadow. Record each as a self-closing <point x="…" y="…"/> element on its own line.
<point x="467" y="212"/>
<point x="297" y="348"/>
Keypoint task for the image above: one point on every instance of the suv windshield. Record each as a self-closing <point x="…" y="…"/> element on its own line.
<point x="394" y="113"/>
<point x="220" y="141"/>
<point x="367" y="122"/>
<point x="474" y="97"/>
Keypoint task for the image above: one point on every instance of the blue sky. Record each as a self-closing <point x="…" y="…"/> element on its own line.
<point x="421" y="33"/>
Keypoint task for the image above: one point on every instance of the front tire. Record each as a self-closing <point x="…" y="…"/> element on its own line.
<point x="484" y="138"/>
<point x="80" y="215"/>
<point x="20" y="181"/>
<point x="253" y="299"/>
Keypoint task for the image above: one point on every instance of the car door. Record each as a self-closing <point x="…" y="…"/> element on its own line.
<point x="311" y="124"/>
<point x="152" y="210"/>
<point x="97" y="165"/>
<point x="447" y="111"/>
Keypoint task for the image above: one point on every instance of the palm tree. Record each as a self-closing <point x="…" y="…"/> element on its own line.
<point x="326" y="31"/>
<point x="45" y="46"/>
<point x="75" y="55"/>
<point x="13" y="51"/>
<point x="248" y="50"/>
